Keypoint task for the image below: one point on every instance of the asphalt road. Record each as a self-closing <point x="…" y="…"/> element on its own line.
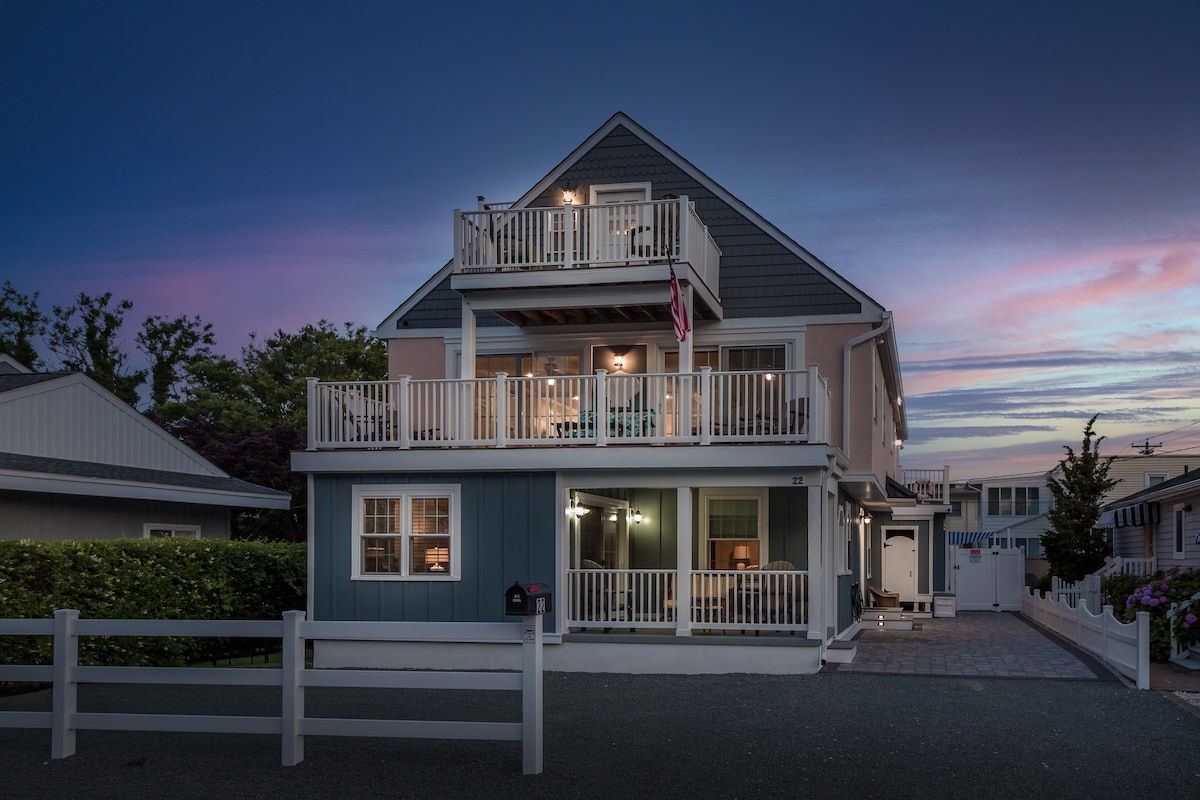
<point x="625" y="736"/>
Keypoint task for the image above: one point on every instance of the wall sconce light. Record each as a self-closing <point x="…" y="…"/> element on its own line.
<point x="618" y="363"/>
<point x="637" y="517"/>
<point x="1188" y="508"/>
<point x="568" y="195"/>
<point x="576" y="509"/>
<point x="866" y="518"/>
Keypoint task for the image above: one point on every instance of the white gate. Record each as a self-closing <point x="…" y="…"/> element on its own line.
<point x="988" y="580"/>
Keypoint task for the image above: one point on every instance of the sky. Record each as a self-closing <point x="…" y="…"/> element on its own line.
<point x="1018" y="182"/>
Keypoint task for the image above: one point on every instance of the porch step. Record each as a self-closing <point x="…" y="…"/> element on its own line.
<point x="1189" y="659"/>
<point x="840" y="652"/>
<point x="891" y="619"/>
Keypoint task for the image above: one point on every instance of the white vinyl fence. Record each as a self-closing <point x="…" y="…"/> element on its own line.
<point x="294" y="677"/>
<point x="1087" y="590"/>
<point x="1123" y="645"/>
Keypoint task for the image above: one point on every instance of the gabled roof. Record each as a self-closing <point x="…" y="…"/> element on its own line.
<point x="1180" y="484"/>
<point x="9" y="383"/>
<point x="63" y="433"/>
<point x="61" y="476"/>
<point x="764" y="272"/>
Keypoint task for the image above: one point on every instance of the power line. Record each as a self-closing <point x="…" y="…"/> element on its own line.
<point x="1147" y="448"/>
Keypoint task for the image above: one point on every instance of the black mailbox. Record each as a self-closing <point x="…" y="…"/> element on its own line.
<point x="527" y="600"/>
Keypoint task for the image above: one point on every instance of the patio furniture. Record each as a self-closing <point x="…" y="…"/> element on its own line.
<point x="882" y="599"/>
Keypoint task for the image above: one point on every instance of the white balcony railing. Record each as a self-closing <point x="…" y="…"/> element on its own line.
<point x="665" y="408"/>
<point x="929" y="485"/>
<point x="566" y="237"/>
<point x="774" y="600"/>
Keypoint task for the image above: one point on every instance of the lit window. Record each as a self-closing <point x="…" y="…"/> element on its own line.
<point x="406" y="532"/>
<point x="734" y="530"/>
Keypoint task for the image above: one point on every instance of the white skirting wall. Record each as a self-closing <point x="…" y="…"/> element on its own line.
<point x="709" y="655"/>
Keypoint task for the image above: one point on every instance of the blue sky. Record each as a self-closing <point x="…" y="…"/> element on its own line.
<point x="1018" y="182"/>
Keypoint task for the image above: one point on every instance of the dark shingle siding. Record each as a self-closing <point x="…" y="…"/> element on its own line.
<point x="759" y="276"/>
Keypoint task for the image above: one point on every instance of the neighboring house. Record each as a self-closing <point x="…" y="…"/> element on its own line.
<point x="544" y="422"/>
<point x="76" y="462"/>
<point x="1157" y="527"/>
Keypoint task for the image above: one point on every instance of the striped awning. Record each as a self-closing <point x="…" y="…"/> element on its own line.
<point x="1129" y="516"/>
<point x="968" y="537"/>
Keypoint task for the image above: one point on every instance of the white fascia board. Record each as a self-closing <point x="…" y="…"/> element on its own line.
<point x="625" y="458"/>
<point x="91" y="487"/>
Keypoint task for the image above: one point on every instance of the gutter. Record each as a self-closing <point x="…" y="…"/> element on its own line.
<point x="850" y="345"/>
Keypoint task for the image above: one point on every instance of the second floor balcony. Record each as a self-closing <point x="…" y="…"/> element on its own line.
<point x="621" y="246"/>
<point x="701" y="408"/>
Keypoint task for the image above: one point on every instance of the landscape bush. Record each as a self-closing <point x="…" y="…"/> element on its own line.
<point x="144" y="579"/>
<point x="1156" y="596"/>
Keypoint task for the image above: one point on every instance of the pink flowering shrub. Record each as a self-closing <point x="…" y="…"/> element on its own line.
<point x="1174" y="587"/>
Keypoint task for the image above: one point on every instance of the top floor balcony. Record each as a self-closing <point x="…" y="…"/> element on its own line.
<point x="623" y="236"/>
<point x="701" y="408"/>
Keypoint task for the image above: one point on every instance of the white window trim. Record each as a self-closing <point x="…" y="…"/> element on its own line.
<point x="1162" y="478"/>
<point x="177" y="531"/>
<point x="764" y="552"/>
<point x="1178" y="536"/>
<point x="605" y="188"/>
<point x="363" y="491"/>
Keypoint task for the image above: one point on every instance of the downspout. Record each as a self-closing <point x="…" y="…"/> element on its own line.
<point x="850" y="345"/>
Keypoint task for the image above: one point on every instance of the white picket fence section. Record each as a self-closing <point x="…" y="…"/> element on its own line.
<point x="1123" y="645"/>
<point x="1087" y="590"/>
<point x="66" y="674"/>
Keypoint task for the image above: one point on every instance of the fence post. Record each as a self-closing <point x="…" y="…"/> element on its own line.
<point x="292" y="673"/>
<point x="65" y="694"/>
<point x="1108" y="614"/>
<point x="1143" y="649"/>
<point x="531" y="695"/>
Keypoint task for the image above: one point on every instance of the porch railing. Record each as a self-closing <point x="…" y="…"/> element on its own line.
<point x="929" y="485"/>
<point x="774" y="600"/>
<point x="1137" y="567"/>
<point x="567" y="237"/>
<point x="697" y="408"/>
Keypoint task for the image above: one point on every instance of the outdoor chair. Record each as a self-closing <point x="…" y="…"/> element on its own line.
<point x="882" y="599"/>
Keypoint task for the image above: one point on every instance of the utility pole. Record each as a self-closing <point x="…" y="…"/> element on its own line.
<point x="1147" y="449"/>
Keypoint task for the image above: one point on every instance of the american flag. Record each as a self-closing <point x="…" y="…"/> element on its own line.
<point x="679" y="314"/>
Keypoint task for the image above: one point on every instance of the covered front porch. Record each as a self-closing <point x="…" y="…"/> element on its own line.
<point x="680" y="561"/>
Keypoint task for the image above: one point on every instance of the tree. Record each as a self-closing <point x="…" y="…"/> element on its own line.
<point x="1073" y="546"/>
<point x="84" y="337"/>
<point x="171" y="345"/>
<point x="278" y="369"/>
<point x="20" y="322"/>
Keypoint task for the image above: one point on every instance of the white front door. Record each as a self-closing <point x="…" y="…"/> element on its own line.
<point x="900" y="563"/>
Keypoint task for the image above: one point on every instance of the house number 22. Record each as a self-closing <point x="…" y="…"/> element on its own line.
<point x="797" y="480"/>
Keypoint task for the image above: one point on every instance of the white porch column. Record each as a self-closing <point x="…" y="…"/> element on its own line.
<point x="683" y="561"/>
<point x="687" y="370"/>
<point x="466" y="365"/>
<point x="816" y="561"/>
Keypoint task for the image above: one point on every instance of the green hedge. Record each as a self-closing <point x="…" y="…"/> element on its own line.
<point x="144" y="579"/>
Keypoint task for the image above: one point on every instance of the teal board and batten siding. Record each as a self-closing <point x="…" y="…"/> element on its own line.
<point x="507" y="535"/>
<point x="788" y="525"/>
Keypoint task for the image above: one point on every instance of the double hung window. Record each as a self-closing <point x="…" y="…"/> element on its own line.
<point x="406" y="532"/>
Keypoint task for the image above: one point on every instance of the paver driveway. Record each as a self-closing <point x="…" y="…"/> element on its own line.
<point x="973" y="644"/>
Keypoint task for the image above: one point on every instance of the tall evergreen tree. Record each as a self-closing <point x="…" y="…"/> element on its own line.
<point x="1073" y="546"/>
